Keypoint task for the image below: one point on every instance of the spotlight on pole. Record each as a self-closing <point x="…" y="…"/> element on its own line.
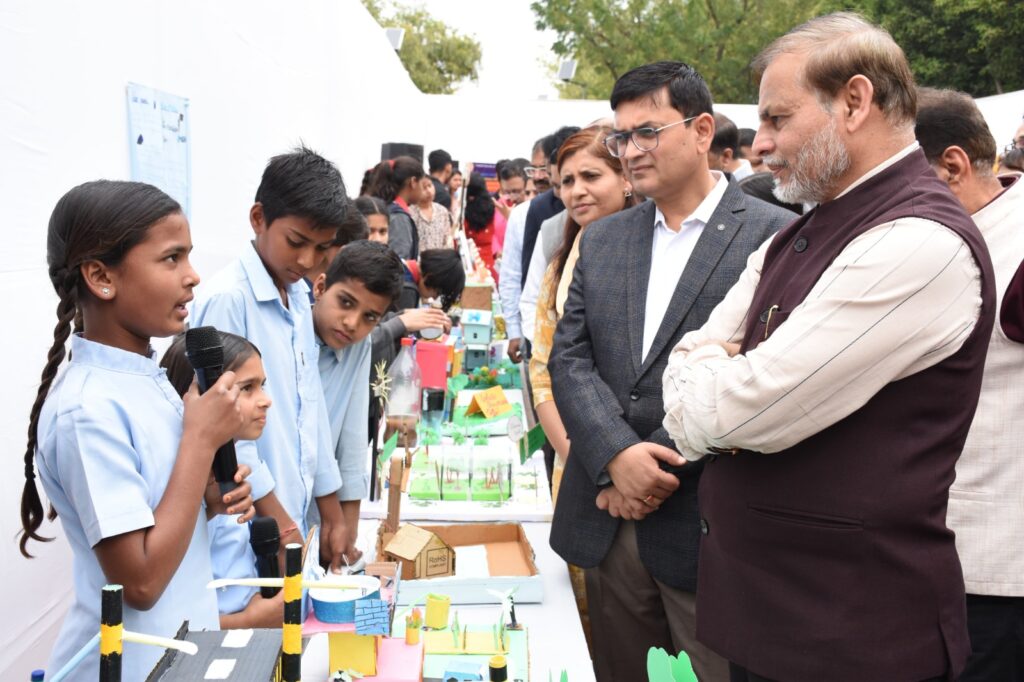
<point x="567" y="70"/>
<point x="395" y="37"/>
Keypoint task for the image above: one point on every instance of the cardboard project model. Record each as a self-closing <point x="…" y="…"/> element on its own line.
<point x="476" y="296"/>
<point x="476" y="326"/>
<point x="498" y="556"/>
<point x="422" y="553"/>
<point x="360" y="645"/>
<point x="462" y="652"/>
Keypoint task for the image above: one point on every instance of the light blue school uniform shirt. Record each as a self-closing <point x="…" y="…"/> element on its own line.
<point x="293" y="457"/>
<point x="108" y="439"/>
<point x="345" y="375"/>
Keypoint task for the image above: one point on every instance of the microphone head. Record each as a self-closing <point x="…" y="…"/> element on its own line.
<point x="264" y="536"/>
<point x="204" y="347"/>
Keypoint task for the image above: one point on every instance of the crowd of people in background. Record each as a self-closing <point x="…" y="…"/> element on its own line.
<point x="842" y="288"/>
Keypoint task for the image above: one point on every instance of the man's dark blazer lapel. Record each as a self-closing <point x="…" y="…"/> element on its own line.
<point x="721" y="229"/>
<point x="638" y="272"/>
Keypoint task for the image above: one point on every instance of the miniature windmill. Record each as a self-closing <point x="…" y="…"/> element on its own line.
<point x="508" y="607"/>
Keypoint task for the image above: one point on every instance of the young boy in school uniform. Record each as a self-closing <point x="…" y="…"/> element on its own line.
<point x="299" y="206"/>
<point x="359" y="286"/>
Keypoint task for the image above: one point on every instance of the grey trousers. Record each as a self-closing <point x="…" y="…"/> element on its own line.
<point x="630" y="612"/>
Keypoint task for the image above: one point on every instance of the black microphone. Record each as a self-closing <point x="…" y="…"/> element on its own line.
<point x="265" y="540"/>
<point x="205" y="352"/>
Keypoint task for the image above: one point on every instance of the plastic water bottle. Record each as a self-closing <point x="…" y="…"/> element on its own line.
<point x="403" y="411"/>
<point x="431" y="333"/>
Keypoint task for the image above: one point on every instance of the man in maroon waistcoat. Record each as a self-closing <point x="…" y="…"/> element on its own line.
<point x="832" y="390"/>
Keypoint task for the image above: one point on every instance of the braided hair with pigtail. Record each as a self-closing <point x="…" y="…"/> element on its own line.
<point x="97" y="221"/>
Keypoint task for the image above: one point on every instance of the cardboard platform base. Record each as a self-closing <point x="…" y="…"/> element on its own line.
<point x="509" y="559"/>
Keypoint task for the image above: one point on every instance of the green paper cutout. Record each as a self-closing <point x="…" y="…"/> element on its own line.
<point x="532" y="442"/>
<point x="456" y="384"/>
<point x="389" y="447"/>
<point x="662" y="667"/>
<point x="459" y="437"/>
<point x="564" y="677"/>
<point x="481" y="437"/>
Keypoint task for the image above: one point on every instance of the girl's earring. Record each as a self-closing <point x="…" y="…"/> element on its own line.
<point x="106" y="291"/>
<point x="629" y="192"/>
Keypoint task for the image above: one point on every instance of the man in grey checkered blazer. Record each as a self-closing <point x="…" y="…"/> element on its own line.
<point x="627" y="506"/>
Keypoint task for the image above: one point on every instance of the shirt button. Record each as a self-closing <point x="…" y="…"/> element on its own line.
<point x="800" y="245"/>
<point x="764" y="315"/>
<point x="704" y="526"/>
<point x="634" y="395"/>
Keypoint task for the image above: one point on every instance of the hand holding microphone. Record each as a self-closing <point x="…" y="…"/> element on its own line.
<point x="205" y="352"/>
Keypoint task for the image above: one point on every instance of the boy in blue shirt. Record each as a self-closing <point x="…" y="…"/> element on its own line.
<point x="299" y="206"/>
<point x="359" y="286"/>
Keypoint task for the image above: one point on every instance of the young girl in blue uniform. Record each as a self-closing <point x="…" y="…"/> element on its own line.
<point x="243" y="358"/>
<point x="124" y="463"/>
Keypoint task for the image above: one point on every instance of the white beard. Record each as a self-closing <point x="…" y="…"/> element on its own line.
<point x="819" y="163"/>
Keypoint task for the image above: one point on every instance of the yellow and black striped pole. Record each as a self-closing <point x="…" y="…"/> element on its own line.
<point x="111" y="633"/>
<point x="291" y="646"/>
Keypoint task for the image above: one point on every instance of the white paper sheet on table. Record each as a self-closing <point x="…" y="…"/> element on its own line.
<point x="471" y="561"/>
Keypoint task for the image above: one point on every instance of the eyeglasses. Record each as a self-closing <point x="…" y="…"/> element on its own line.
<point x="645" y="139"/>
<point x="536" y="171"/>
<point x="1016" y="144"/>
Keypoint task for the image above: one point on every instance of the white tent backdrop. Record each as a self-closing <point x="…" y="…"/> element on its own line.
<point x="261" y="77"/>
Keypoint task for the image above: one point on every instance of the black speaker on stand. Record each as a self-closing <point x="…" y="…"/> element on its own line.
<point x="392" y="150"/>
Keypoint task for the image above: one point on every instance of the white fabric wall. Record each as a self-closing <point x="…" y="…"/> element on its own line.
<point x="1004" y="114"/>
<point x="261" y="76"/>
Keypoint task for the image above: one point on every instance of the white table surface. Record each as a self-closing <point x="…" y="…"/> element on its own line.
<point x="556" y="638"/>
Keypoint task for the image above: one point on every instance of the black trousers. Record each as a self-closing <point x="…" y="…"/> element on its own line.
<point x="741" y="674"/>
<point x="996" y="627"/>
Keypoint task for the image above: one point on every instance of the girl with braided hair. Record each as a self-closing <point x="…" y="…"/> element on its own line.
<point x="124" y="463"/>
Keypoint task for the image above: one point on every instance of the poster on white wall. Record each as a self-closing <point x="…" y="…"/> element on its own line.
<point x="159" y="143"/>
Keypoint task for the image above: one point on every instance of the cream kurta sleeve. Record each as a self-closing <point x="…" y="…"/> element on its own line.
<point x="901" y="297"/>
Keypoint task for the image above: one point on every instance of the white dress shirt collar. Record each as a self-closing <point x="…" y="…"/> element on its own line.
<point x="701" y="214"/>
<point x="670" y="252"/>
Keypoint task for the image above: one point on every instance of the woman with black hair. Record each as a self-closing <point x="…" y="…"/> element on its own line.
<point x="399" y="182"/>
<point x="480" y="220"/>
<point x="436" y="274"/>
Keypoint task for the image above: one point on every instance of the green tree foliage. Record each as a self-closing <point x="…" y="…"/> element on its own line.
<point x="717" y="37"/>
<point x="971" y="45"/>
<point x="436" y="57"/>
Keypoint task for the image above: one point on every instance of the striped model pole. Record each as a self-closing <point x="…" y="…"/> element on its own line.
<point x="291" y="631"/>
<point x="111" y="633"/>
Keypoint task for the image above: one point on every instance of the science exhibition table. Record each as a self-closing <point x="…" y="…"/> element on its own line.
<point x="555" y="635"/>
<point x="556" y="640"/>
